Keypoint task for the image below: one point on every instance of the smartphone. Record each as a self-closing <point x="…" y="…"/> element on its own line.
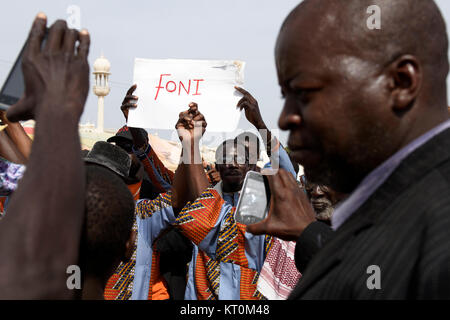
<point x="14" y="86"/>
<point x="253" y="204"/>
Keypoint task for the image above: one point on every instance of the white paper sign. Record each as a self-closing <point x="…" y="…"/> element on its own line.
<point x="166" y="87"/>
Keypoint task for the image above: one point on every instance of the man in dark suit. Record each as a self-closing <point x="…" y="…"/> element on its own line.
<point x="367" y="114"/>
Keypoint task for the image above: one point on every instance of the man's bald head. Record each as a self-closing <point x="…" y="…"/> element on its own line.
<point x="414" y="27"/>
<point x="354" y="96"/>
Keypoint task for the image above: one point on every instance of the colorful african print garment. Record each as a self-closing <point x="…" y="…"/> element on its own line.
<point x="209" y="223"/>
<point x="10" y="174"/>
<point x="159" y="175"/>
<point x="226" y="260"/>
<point x="152" y="216"/>
<point x="233" y="257"/>
<point x="120" y="284"/>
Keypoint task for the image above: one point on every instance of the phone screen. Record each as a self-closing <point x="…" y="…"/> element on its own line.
<point x="254" y="200"/>
<point x="14" y="86"/>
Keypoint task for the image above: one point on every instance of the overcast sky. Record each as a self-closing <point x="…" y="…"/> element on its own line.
<point x="194" y="29"/>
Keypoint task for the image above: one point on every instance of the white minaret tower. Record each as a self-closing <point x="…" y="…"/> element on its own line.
<point x="101" y="87"/>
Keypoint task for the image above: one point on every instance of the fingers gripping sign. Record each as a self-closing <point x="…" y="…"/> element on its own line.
<point x="184" y="125"/>
<point x="250" y="105"/>
<point x="191" y="126"/>
<point x="58" y="66"/>
<point x="188" y="121"/>
<point x="290" y="210"/>
<point x="129" y="101"/>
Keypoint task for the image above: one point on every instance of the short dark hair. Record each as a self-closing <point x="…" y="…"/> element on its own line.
<point x="109" y="216"/>
<point x="251" y="142"/>
<point x="221" y="150"/>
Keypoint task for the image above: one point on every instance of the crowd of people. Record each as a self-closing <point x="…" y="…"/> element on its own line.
<point x="368" y="120"/>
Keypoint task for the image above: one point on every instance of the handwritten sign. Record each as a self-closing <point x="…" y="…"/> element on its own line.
<point x="166" y="87"/>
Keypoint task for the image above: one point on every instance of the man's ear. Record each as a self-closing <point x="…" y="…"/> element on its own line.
<point x="129" y="246"/>
<point x="406" y="81"/>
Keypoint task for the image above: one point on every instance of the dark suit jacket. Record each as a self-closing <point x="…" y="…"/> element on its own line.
<point x="312" y="239"/>
<point x="403" y="228"/>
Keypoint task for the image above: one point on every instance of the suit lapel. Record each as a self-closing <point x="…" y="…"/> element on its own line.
<point x="333" y="252"/>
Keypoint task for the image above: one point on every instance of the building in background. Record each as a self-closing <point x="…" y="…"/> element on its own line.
<point x="101" y="87"/>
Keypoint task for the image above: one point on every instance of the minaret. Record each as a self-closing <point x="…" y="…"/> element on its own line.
<point x="101" y="87"/>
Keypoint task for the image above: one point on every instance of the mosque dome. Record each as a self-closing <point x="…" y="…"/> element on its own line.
<point x="102" y="65"/>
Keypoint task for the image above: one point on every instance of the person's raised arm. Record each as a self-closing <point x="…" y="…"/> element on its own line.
<point x="190" y="178"/>
<point x="40" y="235"/>
<point x="161" y="177"/>
<point x="250" y="105"/>
<point x="130" y="101"/>
<point x="278" y="156"/>
<point x="9" y="151"/>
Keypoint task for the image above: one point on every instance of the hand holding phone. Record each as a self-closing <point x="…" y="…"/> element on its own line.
<point x="290" y="210"/>
<point x="53" y="67"/>
<point x="14" y="86"/>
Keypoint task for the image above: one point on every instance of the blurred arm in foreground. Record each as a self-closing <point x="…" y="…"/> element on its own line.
<point x="40" y="237"/>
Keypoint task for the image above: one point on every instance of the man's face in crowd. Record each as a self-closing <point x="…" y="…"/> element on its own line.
<point x="234" y="167"/>
<point x="332" y="103"/>
<point x="323" y="200"/>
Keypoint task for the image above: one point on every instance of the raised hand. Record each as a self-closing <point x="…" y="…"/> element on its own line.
<point x="214" y="175"/>
<point x="290" y="210"/>
<point x="250" y="105"/>
<point x="56" y="86"/>
<point x="129" y="101"/>
<point x="57" y="72"/>
<point x="191" y="124"/>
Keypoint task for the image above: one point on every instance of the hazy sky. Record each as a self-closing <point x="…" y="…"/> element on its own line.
<point x="193" y="29"/>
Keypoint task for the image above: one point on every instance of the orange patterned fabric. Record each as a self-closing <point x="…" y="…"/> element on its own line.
<point x="249" y="281"/>
<point x="158" y="288"/>
<point x="231" y="243"/>
<point x="161" y="171"/>
<point x="207" y="275"/>
<point x="199" y="218"/>
<point x="2" y="206"/>
<point x="135" y="190"/>
<point x="120" y="284"/>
